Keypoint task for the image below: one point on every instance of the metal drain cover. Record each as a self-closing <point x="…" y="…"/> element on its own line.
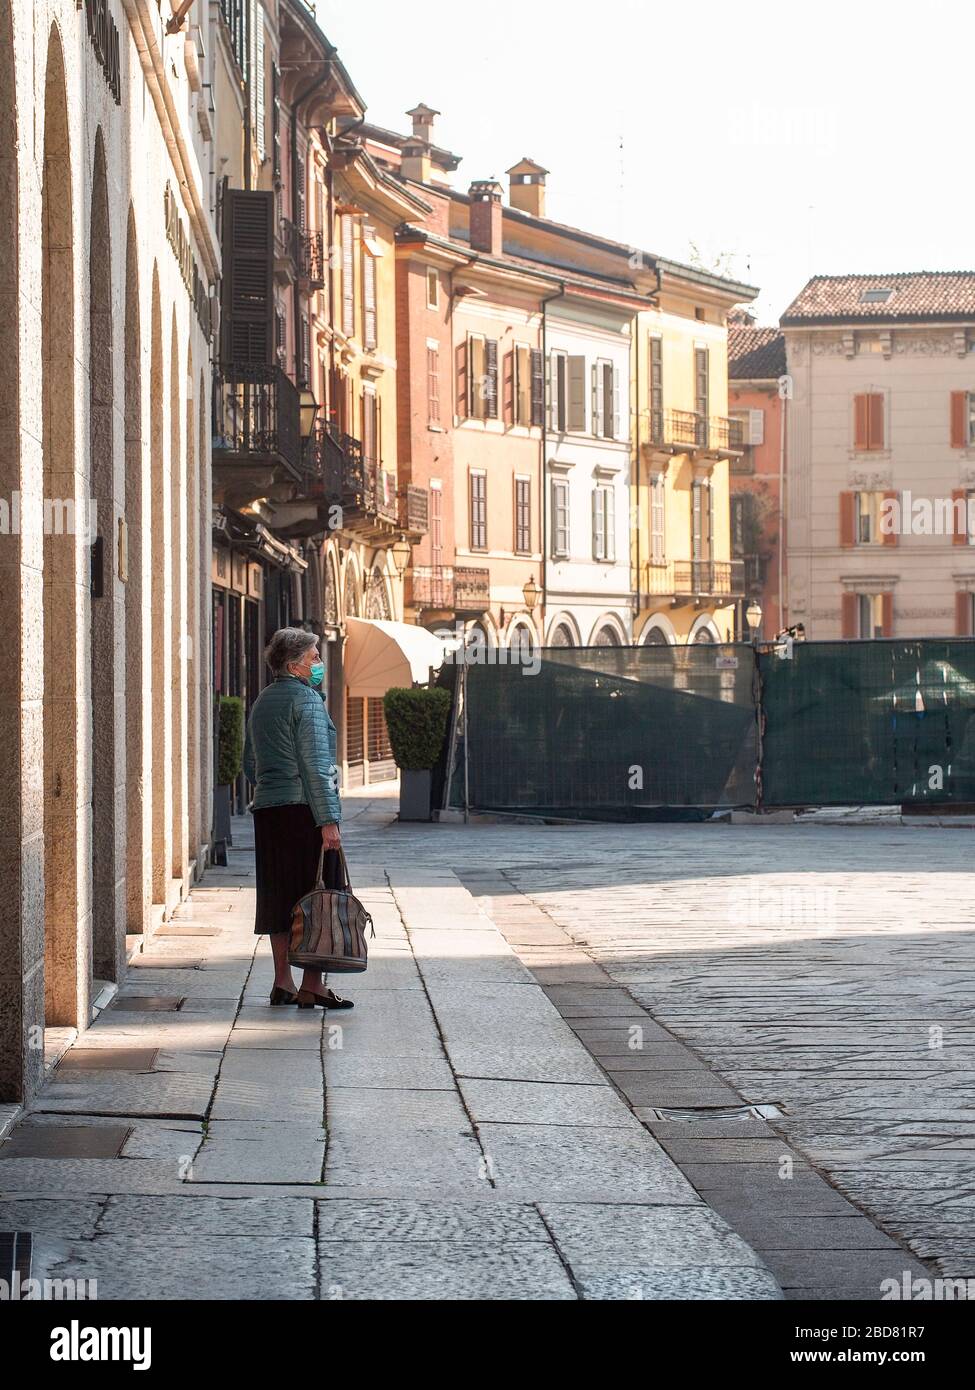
<point x="66" y="1141"/>
<point x="108" y="1059"/>
<point x="688" y="1114"/>
<point x="16" y="1252"/>
<point x="148" y="1003"/>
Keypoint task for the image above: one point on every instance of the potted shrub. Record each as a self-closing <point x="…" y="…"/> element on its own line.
<point x="230" y="753"/>
<point x="417" y="724"/>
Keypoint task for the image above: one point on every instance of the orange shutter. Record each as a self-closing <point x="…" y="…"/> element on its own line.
<point x="876" y="421"/>
<point x="849" y="615"/>
<point x="959" y="517"/>
<point x="848" y="518"/>
<point x="861" y="422"/>
<point x="887" y="614"/>
<point x="959" y="419"/>
<point x="890" y="537"/>
<point x="963" y="610"/>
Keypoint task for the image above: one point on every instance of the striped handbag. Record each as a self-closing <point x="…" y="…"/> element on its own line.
<point x="328" y="927"/>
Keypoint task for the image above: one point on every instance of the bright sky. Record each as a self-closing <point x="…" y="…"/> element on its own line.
<point x="782" y="140"/>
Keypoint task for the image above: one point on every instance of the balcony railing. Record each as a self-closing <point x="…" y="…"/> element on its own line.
<point x="414" y="509"/>
<point x="432" y="586"/>
<point x="255" y="415"/>
<point x="687" y="428"/>
<point x="305" y="251"/>
<point x="727" y="433"/>
<point x="709" y="578"/>
<point x="360" y="485"/>
<point x="472" y="589"/>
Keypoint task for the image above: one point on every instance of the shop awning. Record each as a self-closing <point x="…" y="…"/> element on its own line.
<point x="380" y="655"/>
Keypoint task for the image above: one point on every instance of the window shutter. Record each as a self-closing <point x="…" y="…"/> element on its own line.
<point x="959" y="419"/>
<point x="890" y="537"/>
<point x="301" y="181"/>
<point x="368" y="300"/>
<point x="596" y="394"/>
<point x="577" y="393"/>
<point x="598" y="525"/>
<point x="615" y="422"/>
<point x="538" y="388"/>
<point x="509" y="388"/>
<point x="463" y="392"/>
<point x="610" y="523"/>
<point x="963" y="615"/>
<point x="848" y="518"/>
<point x="348" y="275"/>
<point x="861" y="422"/>
<point x="550" y="384"/>
<point x="876" y="435"/>
<point x="258" y="84"/>
<point x="756" y="426"/>
<point x="850" y="609"/>
<point x="247" y="291"/>
<point x="491" y="379"/>
<point x="887" y="614"/>
<point x="959" y="516"/>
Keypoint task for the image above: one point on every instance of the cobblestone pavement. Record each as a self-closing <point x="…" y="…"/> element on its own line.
<point x="453" y="1136"/>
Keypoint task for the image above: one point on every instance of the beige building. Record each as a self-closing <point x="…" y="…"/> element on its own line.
<point x="108" y="257"/>
<point x="881" y="455"/>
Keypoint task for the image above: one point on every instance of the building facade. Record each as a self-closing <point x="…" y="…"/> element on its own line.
<point x="688" y="585"/>
<point x="881" y="455"/>
<point x="758" y="401"/>
<point x="108" y="260"/>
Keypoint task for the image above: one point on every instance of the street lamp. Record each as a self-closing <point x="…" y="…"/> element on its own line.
<point x="308" y="409"/>
<point x="753" y="617"/>
<point x="532" y="594"/>
<point x="401" y="552"/>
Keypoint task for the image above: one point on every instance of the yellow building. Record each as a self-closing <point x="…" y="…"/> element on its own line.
<point x="685" y="580"/>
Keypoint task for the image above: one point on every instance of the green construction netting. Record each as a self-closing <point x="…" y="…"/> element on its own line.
<point x="869" y="723"/>
<point x="611" y="732"/>
<point x="637" y="733"/>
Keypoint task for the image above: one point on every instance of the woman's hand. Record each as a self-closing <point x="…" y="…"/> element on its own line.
<point x="331" y="838"/>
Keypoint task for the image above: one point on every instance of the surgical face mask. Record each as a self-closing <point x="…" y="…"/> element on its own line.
<point x="317" y="673"/>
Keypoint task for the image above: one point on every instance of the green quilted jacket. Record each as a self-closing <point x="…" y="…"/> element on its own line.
<point x="289" y="750"/>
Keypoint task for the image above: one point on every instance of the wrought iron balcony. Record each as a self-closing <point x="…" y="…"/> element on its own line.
<point x="472" y="589"/>
<point x="431" y="586"/>
<point x="727" y="433"/>
<point x="414" y="510"/>
<point x="364" y="490"/>
<point x="709" y="578"/>
<point x="256" y="416"/>
<point x="300" y="254"/>
<point x="658" y="579"/>
<point x="685" y="428"/>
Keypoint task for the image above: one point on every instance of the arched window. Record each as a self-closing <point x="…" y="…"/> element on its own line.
<point x="606" y="637"/>
<point x="561" y="637"/>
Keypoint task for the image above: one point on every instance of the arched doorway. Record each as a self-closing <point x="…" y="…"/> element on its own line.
<point x="377" y="597"/>
<point x="138" y="790"/>
<point x="107" y="607"/>
<point x="67" y="791"/>
<point x="177" y="639"/>
<point x="159" y="509"/>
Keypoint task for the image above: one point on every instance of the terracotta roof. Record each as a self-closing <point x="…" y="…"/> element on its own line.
<point x="914" y="296"/>
<point x="755" y="354"/>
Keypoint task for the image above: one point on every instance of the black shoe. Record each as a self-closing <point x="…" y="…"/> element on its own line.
<point x="282" y="996"/>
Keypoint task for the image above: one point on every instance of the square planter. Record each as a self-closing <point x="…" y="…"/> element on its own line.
<point x="414" y="795"/>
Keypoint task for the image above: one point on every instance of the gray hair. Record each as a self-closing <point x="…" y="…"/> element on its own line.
<point x="288" y="644"/>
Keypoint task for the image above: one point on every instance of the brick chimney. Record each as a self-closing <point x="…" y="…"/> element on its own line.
<point x="486" y="216"/>
<point x="526" y="187"/>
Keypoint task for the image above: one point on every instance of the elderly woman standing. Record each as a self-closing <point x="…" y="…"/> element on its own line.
<point x="289" y="756"/>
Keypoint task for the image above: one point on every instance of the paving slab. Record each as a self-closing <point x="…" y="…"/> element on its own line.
<point x="424" y="1270"/>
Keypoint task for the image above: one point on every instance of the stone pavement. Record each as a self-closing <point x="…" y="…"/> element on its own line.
<point x="454" y="1136"/>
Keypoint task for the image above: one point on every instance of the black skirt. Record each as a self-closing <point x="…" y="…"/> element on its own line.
<point x="287" y="843"/>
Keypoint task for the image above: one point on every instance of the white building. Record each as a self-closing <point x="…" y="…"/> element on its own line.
<point x="108" y="256"/>
<point x="589" y="595"/>
<point x="881" y="455"/>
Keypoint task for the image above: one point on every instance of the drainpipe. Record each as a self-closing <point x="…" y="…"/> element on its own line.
<point x="783" y="622"/>
<point x="543" y="451"/>
<point x="636" y="458"/>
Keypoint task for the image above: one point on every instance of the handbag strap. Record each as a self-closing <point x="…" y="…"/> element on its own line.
<point x="320" y="880"/>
